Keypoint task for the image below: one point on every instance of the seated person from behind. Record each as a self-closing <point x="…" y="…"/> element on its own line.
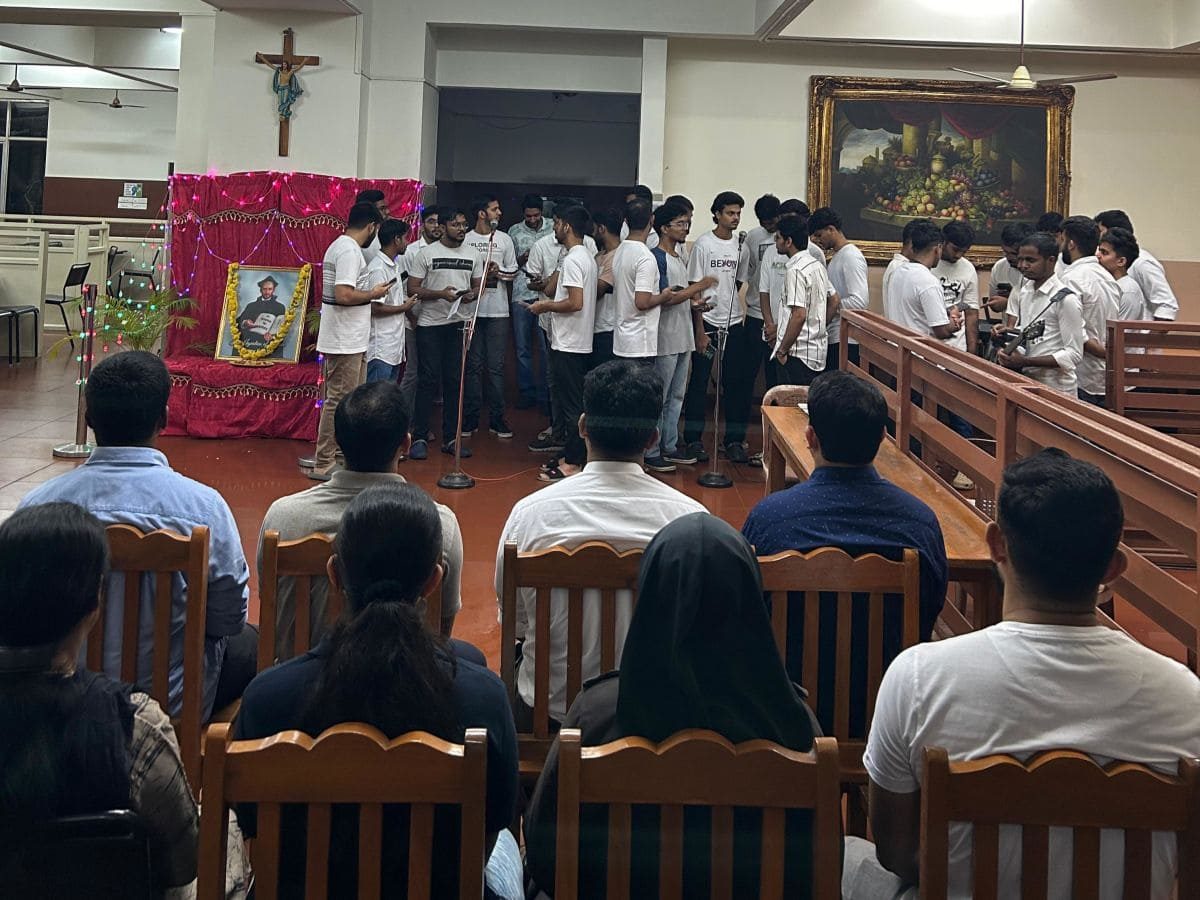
<point x="698" y="647"/>
<point x="74" y="742"/>
<point x="382" y="666"/>
<point x="845" y="503"/>
<point x="611" y="500"/>
<point x="1049" y="676"/>
<point x="371" y="429"/>
<point x="128" y="481"/>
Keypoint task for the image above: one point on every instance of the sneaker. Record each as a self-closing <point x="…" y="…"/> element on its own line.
<point x="545" y="433"/>
<point x="696" y="450"/>
<point x="464" y="453"/>
<point x="469" y="430"/>
<point x="681" y="457"/>
<point x="418" y="450"/>
<point x="736" y="453"/>
<point x="544" y="443"/>
<point x="658" y="464"/>
<point x="962" y="483"/>
<point x="501" y="429"/>
<point x="318" y="476"/>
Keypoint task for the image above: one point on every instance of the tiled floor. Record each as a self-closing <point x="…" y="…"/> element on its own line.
<point x="37" y="412"/>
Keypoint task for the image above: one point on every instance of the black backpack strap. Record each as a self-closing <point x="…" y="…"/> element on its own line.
<point x="661" y="256"/>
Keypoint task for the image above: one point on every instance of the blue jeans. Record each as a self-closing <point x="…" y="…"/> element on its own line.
<point x="378" y="370"/>
<point x="673" y="370"/>
<point x="526" y="333"/>
<point x="504" y="875"/>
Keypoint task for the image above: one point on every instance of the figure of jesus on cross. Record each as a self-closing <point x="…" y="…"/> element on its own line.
<point x="284" y="82"/>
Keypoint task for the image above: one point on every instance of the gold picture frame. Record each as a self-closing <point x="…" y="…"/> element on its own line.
<point x="1009" y="162"/>
<point x="261" y="325"/>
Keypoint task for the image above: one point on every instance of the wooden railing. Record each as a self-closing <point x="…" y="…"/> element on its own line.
<point x="1154" y="375"/>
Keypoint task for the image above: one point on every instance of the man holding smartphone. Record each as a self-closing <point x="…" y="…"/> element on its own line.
<point x="1005" y="282"/>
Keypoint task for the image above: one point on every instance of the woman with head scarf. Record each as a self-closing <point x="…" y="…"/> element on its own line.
<point x="699" y="654"/>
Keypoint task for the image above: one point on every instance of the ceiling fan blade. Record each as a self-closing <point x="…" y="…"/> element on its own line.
<point x="1044" y="82"/>
<point x="979" y="74"/>
<point x="97" y="102"/>
<point x="130" y="106"/>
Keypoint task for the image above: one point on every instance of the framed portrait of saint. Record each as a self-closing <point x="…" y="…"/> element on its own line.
<point x="885" y="151"/>
<point x="263" y="316"/>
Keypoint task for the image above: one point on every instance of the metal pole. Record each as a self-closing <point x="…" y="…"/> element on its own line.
<point x="714" y="477"/>
<point x="81" y="449"/>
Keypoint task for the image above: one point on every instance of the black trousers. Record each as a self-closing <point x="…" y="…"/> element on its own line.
<point x="794" y="371"/>
<point x="239" y="666"/>
<point x="566" y="397"/>
<point x="739" y="368"/>
<point x="602" y="349"/>
<point x="439" y="362"/>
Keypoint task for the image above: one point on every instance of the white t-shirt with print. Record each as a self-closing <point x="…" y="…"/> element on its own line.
<point x="719" y="258"/>
<point x="572" y="332"/>
<point x="676" y="331"/>
<point x="440" y="267"/>
<point x="1019" y="689"/>
<point x="387" y="332"/>
<point x="635" y="270"/>
<point x="493" y="302"/>
<point x="915" y="299"/>
<point x="806" y="286"/>
<point x="960" y="288"/>
<point x="848" y="275"/>
<point x="343" y="329"/>
<point x="770" y="279"/>
<point x="758" y="241"/>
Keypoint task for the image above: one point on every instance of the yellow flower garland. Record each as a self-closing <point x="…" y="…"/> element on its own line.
<point x="231" y="299"/>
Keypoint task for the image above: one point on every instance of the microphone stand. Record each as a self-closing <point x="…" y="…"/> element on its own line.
<point x="714" y="477"/>
<point x="457" y="479"/>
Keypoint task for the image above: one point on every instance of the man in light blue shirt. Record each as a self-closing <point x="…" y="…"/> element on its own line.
<point x="128" y="481"/>
<point x="531" y="384"/>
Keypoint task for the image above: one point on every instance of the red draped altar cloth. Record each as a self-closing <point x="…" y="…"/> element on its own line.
<point x="260" y="220"/>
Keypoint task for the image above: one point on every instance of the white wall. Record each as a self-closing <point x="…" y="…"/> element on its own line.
<point x="1186" y="23"/>
<point x="737" y="118"/>
<point x="90" y="141"/>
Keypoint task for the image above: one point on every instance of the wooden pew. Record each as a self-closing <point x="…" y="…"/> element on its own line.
<point x="1161" y="360"/>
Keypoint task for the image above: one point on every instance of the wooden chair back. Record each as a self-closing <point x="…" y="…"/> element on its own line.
<point x="301" y="560"/>
<point x="161" y="554"/>
<point x="698" y="768"/>
<point x="1057" y="788"/>
<point x="1161" y="360"/>
<point x="593" y="565"/>
<point x="348" y="764"/>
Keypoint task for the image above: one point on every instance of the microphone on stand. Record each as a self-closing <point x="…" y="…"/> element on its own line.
<point x="714" y="477"/>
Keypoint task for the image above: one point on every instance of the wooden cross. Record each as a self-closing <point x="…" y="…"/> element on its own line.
<point x="285" y="84"/>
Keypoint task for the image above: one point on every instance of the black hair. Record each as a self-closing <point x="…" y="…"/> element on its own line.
<point x="682" y="201"/>
<point x="1084" y="232"/>
<point x="824" y="217"/>
<point x="795" y="228"/>
<point x="1050" y="222"/>
<point x="637" y="214"/>
<point x="1123" y="243"/>
<point x="1014" y="234"/>
<point x="1061" y="519"/>
<point x="668" y="213"/>
<point x="577" y="219"/>
<point x="641" y="192"/>
<point x="370" y="195"/>
<point x="479" y="204"/>
<point x="724" y="199"/>
<point x="1114" y="218"/>
<point x="126" y="398"/>
<point x="428" y="211"/>
<point x="531" y="201"/>
<point x="370" y="425"/>
<point x="450" y="213"/>
<point x="924" y="235"/>
<point x="610" y="218"/>
<point x="54" y="557"/>
<point x="960" y="234"/>
<point x="363" y="214"/>
<point x="1043" y="242"/>
<point x="622" y="400"/>
<point x="849" y="416"/>
<point x="906" y="232"/>
<point x="383" y="666"/>
<point x="794" y="207"/>
<point x="392" y="229"/>
<point x="766" y="207"/>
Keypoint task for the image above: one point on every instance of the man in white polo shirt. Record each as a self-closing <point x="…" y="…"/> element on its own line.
<point x="808" y="299"/>
<point x="1147" y="271"/>
<point x="1100" y="296"/>
<point x="345" y="327"/>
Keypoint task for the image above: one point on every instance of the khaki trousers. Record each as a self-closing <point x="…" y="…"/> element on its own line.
<point x="343" y="372"/>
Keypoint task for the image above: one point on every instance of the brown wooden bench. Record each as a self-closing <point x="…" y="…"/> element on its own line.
<point x="1160" y="361"/>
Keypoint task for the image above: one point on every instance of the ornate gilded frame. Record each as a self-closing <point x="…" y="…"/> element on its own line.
<point x="827" y="90"/>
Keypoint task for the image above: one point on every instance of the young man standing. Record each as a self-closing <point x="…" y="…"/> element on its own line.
<point x="899" y="259"/>
<point x="1147" y="271"/>
<point x="716" y="254"/>
<point x="847" y="274"/>
<point x="914" y="298"/>
<point x="431" y="233"/>
<point x="640" y="192"/>
<point x="759" y="339"/>
<point x="608" y="224"/>
<point x="385" y="349"/>
<point x="960" y="282"/>
<point x="1005" y="280"/>
<point x="445" y="277"/>
<point x="637" y="298"/>
<point x="1053" y="357"/>
<point x="377" y="198"/>
<point x="1118" y="251"/>
<point x="1100" y="297"/>
<point x="345" y="328"/>
<point x="531" y="381"/>
<point x="808" y="300"/>
<point x="489" y="345"/>
<point x="770" y="285"/>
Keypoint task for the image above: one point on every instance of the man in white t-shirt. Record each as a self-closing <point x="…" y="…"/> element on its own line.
<point x="899" y="259"/>
<point x="914" y="298"/>
<point x="1100" y="296"/>
<point x="608" y="224"/>
<point x="431" y="233"/>
<point x="377" y="197"/>
<point x="1118" y="250"/>
<point x="385" y="349"/>
<point x="446" y="279"/>
<point x="489" y="344"/>
<point x="758" y="239"/>
<point x="1049" y="676"/>
<point x="960" y="282"/>
<point x="770" y="284"/>
<point x="1147" y="271"/>
<point x="640" y="192"/>
<point x="637" y="298"/>
<point x="1005" y="281"/>
<point x="345" y="327"/>
<point x="808" y="300"/>
<point x="572" y="319"/>
<point x="847" y="274"/>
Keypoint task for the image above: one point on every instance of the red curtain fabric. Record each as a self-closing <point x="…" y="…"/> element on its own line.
<point x="977" y="120"/>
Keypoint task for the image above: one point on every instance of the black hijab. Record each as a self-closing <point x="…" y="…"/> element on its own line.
<point x="700" y="652"/>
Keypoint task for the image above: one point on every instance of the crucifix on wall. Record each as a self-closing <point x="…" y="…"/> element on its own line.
<point x="284" y="82"/>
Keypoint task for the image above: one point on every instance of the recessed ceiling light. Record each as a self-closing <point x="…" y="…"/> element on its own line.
<point x="172" y="29"/>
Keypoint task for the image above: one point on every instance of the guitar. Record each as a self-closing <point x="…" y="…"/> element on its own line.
<point x="1018" y="339"/>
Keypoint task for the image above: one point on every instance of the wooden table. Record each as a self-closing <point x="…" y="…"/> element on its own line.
<point x="962" y="526"/>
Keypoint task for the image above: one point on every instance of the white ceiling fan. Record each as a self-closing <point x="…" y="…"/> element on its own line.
<point x="15" y="87"/>
<point x="1020" y="80"/>
<point x="115" y="103"/>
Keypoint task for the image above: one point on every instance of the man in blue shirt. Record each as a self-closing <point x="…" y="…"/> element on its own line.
<point x="128" y="481"/>
<point x="846" y="504"/>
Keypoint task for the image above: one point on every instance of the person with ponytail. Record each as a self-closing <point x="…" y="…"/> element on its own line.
<point x="74" y="742"/>
<point x="380" y="665"/>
